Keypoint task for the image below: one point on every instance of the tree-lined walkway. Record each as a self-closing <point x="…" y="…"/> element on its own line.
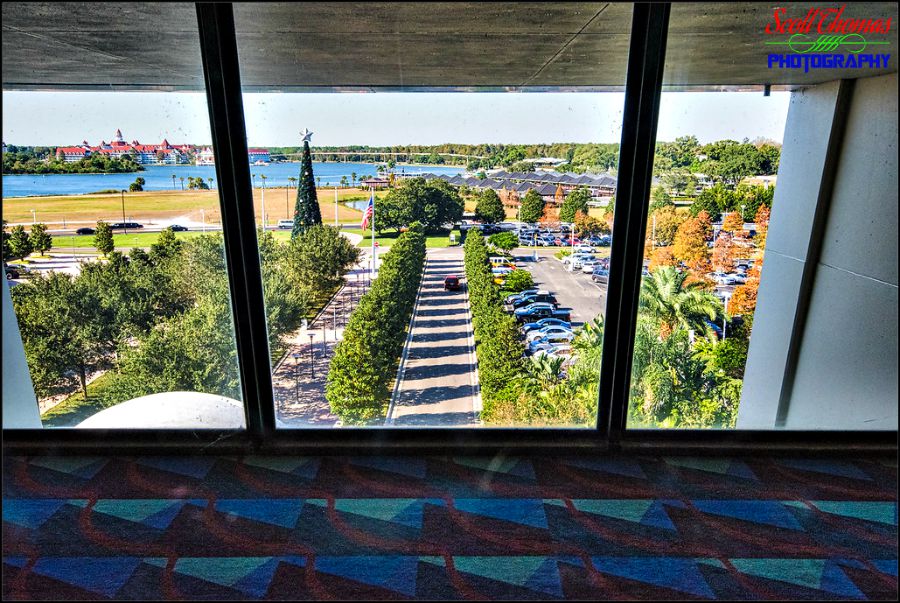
<point x="299" y="378"/>
<point x="438" y="383"/>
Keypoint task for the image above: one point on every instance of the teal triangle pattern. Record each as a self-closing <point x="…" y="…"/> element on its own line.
<point x="767" y="512"/>
<point x="403" y="511"/>
<point x="396" y="573"/>
<point x="30" y="513"/>
<point x="676" y="573"/>
<point x="80" y="466"/>
<point x="818" y="574"/>
<point x="647" y="512"/>
<point x="537" y="573"/>
<point x="196" y="467"/>
<point x="257" y="582"/>
<point x="224" y="571"/>
<point x="887" y="566"/>
<point x="282" y="512"/>
<point x="879" y="512"/>
<point x="155" y="561"/>
<point x="410" y="467"/>
<point x="626" y="467"/>
<point x="714" y="465"/>
<point x="304" y="467"/>
<point x="525" y="511"/>
<point x="155" y="513"/>
<point x="511" y="466"/>
<point x="829" y="467"/>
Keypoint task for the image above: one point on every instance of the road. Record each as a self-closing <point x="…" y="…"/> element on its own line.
<point x="437" y="385"/>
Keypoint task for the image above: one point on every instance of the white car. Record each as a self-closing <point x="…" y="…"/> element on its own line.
<point x="728" y="279"/>
<point x="285" y="224"/>
<point x="588" y="266"/>
<point x="582" y="248"/>
<point x="545" y="331"/>
<point x="551" y="339"/>
<point x="560" y="350"/>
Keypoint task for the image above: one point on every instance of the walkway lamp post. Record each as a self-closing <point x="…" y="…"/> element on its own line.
<point x="296" y="356"/>
<point x="33" y="217"/>
<point x="312" y="370"/>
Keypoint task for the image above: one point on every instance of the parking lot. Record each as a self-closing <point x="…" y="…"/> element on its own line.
<point x="574" y="291"/>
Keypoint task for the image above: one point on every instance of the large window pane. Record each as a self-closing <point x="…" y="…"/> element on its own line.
<point x="478" y="194"/>
<point x="112" y="226"/>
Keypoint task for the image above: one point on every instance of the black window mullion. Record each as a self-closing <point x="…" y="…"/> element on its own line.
<point x="646" y="60"/>
<point x="218" y="44"/>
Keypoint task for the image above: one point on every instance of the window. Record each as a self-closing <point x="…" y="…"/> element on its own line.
<point x="115" y="270"/>
<point x="434" y="256"/>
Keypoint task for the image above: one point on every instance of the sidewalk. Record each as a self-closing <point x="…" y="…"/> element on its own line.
<point x="299" y="378"/>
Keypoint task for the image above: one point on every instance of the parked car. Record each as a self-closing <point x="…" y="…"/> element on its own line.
<point x="541" y="297"/>
<point x="511" y="298"/>
<point x="285" y="224"/>
<point x="451" y="283"/>
<point x="546" y="322"/>
<point x="540" y="310"/>
<point x="561" y="242"/>
<point x="121" y="225"/>
<point x="11" y="272"/>
<point x="584" y="248"/>
<point x="554" y="338"/>
<point x="600" y="275"/>
<point x="728" y="279"/>
<point x="178" y="228"/>
<point x="545" y="332"/>
<point x="588" y="266"/>
<point x="577" y="256"/>
<point x="554" y="350"/>
<point x="85" y="231"/>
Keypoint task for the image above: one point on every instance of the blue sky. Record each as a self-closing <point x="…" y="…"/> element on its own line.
<point x="378" y="119"/>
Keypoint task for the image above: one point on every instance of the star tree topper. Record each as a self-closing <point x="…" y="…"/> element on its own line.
<point x="306" y="134"/>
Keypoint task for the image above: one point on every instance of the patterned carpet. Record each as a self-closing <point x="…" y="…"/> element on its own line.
<point x="382" y="527"/>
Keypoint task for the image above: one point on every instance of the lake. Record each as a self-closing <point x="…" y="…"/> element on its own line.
<point x="159" y="177"/>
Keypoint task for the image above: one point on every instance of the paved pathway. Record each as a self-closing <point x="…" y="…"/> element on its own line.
<point x="438" y="378"/>
<point x="299" y="379"/>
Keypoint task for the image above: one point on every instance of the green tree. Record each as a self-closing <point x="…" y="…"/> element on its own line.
<point x="672" y="303"/>
<point x="306" y="210"/>
<point x="532" y="207"/>
<point x="576" y="201"/>
<point x="20" y="245"/>
<point x="659" y="198"/>
<point x="167" y="245"/>
<point x="518" y="280"/>
<point x="506" y="241"/>
<point x="433" y="203"/>
<point x="7" y="252"/>
<point x="316" y="261"/>
<point x="41" y="241"/>
<point x="103" y="238"/>
<point x="489" y="208"/>
<point x="137" y="185"/>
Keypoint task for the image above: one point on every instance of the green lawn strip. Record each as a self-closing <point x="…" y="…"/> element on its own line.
<point x="386" y="239"/>
<point x="139" y="239"/>
<point x="75" y="408"/>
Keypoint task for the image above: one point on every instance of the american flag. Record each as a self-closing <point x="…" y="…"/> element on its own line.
<point x="370" y="210"/>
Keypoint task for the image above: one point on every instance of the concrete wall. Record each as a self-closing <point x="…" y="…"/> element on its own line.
<point x="20" y="408"/>
<point x="846" y="375"/>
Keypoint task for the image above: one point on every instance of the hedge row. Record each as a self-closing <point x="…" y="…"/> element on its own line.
<point x="365" y="361"/>
<point x="499" y="350"/>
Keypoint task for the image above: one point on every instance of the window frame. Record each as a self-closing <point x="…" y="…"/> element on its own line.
<point x="646" y="62"/>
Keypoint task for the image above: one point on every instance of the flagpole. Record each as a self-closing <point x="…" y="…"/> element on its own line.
<point x="335" y="207"/>
<point x="372" y="192"/>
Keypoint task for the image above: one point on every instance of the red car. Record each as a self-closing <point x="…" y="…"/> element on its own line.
<point x="451" y="283"/>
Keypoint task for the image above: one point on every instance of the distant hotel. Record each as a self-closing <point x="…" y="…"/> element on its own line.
<point x="258" y="156"/>
<point x="144" y="154"/>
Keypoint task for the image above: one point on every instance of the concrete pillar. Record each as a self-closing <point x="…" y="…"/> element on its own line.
<point x="20" y="408"/>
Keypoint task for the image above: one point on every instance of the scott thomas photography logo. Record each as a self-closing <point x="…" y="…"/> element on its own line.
<point x="827" y="38"/>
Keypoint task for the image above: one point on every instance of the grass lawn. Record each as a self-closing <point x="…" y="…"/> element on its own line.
<point x="75" y="409"/>
<point x="387" y="238"/>
<point x="138" y="239"/>
<point x="145" y="207"/>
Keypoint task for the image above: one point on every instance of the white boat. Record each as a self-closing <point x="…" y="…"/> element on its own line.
<point x="260" y="162"/>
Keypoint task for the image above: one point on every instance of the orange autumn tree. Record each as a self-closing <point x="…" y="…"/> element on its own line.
<point x="743" y="300"/>
<point x="723" y="253"/>
<point x="690" y="245"/>
<point x="733" y="223"/>
<point x="550" y="217"/>
<point x="662" y="256"/>
<point x="705" y="223"/>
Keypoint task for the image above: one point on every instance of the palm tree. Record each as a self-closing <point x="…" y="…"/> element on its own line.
<point x="353" y="176"/>
<point x="343" y="181"/>
<point x="182" y="182"/>
<point x="210" y="180"/>
<point x="318" y="181"/>
<point x="173" y="181"/>
<point x="666" y="297"/>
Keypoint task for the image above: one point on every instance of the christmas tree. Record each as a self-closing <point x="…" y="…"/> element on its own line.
<point x="306" y="210"/>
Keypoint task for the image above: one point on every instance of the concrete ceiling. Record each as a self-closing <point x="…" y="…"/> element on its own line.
<point x="410" y="46"/>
